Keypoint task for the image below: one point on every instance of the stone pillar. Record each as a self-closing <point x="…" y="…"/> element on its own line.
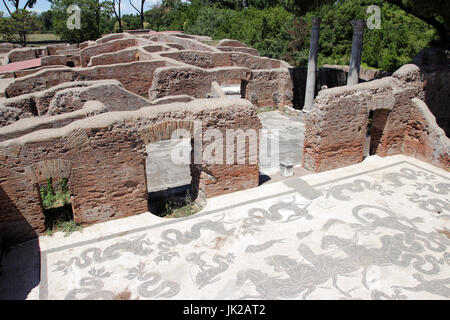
<point x="357" y="45"/>
<point x="312" y="65"/>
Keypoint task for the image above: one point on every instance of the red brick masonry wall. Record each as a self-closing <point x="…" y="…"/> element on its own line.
<point x="336" y="128"/>
<point x="104" y="158"/>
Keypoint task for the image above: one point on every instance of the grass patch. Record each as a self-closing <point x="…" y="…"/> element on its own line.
<point x="66" y="226"/>
<point x="266" y="109"/>
<point x="41" y="37"/>
<point x="174" y="210"/>
<point x="57" y="208"/>
<point x="175" y="207"/>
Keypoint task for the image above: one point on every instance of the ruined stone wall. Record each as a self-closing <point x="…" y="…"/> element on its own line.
<point x="38" y="81"/>
<point x="424" y="139"/>
<point x="270" y="88"/>
<point x="250" y="51"/>
<point x="28" y="125"/>
<point x="111" y="37"/>
<point x="37" y="103"/>
<point x="10" y="115"/>
<point x="201" y="59"/>
<point x="182" y="43"/>
<point x="26" y="72"/>
<point x="111" y="46"/>
<point x="136" y="77"/>
<point x="109" y="92"/>
<point x="406" y="85"/>
<point x="192" y="81"/>
<point x="104" y="159"/>
<point x="21" y="54"/>
<point x="61" y="60"/>
<point x="210" y="60"/>
<point x="336" y="128"/>
<point x="122" y="56"/>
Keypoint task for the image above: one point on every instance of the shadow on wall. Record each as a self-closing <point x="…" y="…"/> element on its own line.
<point x="434" y="65"/>
<point x="20" y="265"/>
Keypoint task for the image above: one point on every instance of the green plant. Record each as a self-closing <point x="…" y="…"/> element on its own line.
<point x="52" y="198"/>
<point x="57" y="208"/>
<point x="267" y="109"/>
<point x="67" y="227"/>
<point x="180" y="208"/>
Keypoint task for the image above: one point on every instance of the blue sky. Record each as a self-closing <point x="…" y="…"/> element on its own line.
<point x="44" y="5"/>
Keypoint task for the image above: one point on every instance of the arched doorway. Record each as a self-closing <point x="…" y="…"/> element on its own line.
<point x="168" y="166"/>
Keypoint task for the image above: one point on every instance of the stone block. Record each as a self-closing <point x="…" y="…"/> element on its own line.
<point x="286" y="168"/>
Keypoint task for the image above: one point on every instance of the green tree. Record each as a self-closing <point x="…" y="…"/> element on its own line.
<point x="433" y="12"/>
<point x="94" y="18"/>
<point x="436" y="13"/>
<point x="140" y="12"/>
<point x="400" y="37"/>
<point x="115" y="7"/>
<point x="46" y="20"/>
<point x="18" y="25"/>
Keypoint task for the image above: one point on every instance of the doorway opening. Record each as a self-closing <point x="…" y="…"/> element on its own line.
<point x="57" y="206"/>
<point x="169" y="180"/>
<point x="234" y="88"/>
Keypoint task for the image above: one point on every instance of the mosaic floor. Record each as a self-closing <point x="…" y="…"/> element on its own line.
<point x="375" y="230"/>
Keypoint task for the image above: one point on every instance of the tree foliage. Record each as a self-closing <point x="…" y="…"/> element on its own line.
<point x="95" y="20"/>
<point x="16" y="27"/>
<point x="435" y="13"/>
<point x="277" y="28"/>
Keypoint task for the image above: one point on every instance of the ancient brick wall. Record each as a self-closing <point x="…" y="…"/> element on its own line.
<point x="21" y="54"/>
<point x="109" y="92"/>
<point x="28" y="125"/>
<point x="192" y="81"/>
<point x="70" y="96"/>
<point x="111" y="46"/>
<point x="136" y="77"/>
<point x="201" y="59"/>
<point x="182" y="43"/>
<point x="38" y="81"/>
<point x="270" y="88"/>
<point x="251" y="51"/>
<point x="106" y="158"/>
<point x="210" y="60"/>
<point x="62" y="60"/>
<point x="424" y="139"/>
<point x="336" y="128"/>
<point x="122" y="56"/>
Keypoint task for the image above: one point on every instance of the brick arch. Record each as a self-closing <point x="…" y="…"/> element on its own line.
<point x="56" y="168"/>
<point x="165" y="129"/>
